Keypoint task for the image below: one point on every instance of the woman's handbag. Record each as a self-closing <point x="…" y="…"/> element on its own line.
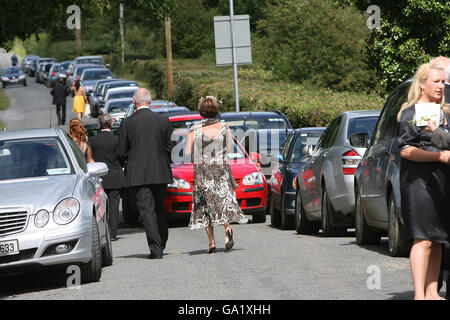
<point x="87" y="109"/>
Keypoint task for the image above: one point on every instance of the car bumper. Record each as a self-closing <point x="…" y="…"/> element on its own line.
<point x="36" y="246"/>
<point x="251" y="200"/>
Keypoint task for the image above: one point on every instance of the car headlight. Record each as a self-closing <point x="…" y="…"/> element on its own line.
<point x="66" y="211"/>
<point x="179" y="184"/>
<point x="252" y="178"/>
<point x="5" y="78"/>
<point x="41" y="218"/>
<point x="22" y="76"/>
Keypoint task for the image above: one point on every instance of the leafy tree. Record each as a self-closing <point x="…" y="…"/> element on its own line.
<point x="412" y="32"/>
<point x="309" y="41"/>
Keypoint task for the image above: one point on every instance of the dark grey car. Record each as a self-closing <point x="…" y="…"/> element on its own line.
<point x="377" y="186"/>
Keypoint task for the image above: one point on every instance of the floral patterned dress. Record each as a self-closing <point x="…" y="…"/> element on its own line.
<point x="214" y="200"/>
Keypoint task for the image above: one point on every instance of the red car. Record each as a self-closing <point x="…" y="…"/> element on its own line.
<point x="251" y="193"/>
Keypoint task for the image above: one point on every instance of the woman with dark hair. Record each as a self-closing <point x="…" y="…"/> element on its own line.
<point x="425" y="182"/>
<point x="214" y="199"/>
<point x="79" y="134"/>
<point x="79" y="100"/>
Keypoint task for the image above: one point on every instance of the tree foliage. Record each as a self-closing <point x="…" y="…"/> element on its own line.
<point x="309" y="41"/>
<point x="412" y="32"/>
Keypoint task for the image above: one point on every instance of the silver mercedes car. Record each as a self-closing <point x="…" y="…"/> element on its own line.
<point x="52" y="205"/>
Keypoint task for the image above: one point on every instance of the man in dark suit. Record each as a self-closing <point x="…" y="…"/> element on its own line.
<point x="60" y="93"/>
<point x="145" y="142"/>
<point x="104" y="149"/>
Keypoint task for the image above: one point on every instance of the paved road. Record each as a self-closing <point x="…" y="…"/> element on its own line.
<point x="266" y="263"/>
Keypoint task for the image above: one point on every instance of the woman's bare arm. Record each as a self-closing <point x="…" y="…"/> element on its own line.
<point x="189" y="144"/>
<point x="418" y="155"/>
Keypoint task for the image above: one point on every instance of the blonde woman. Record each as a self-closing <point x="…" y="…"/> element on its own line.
<point x="425" y="183"/>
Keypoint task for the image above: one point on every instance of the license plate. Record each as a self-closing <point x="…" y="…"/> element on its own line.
<point x="14" y="80"/>
<point x="9" y="247"/>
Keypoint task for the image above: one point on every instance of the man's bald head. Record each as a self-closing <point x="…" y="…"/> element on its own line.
<point x="445" y="64"/>
<point x="142" y="97"/>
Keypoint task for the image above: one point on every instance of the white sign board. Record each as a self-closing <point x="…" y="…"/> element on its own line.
<point x="224" y="44"/>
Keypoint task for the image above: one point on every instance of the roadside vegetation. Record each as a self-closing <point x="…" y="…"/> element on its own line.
<point x="4" y="100"/>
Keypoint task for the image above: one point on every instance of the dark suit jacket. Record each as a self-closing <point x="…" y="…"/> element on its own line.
<point x="59" y="93"/>
<point x="145" y="143"/>
<point x="104" y="149"/>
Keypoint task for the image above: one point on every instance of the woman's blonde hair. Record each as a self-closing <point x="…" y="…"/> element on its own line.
<point x="77" y="131"/>
<point x="415" y="91"/>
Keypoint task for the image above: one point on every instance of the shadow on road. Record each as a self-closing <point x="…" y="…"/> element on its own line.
<point x="15" y="284"/>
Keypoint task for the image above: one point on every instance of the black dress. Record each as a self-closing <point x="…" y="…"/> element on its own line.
<point x="424" y="186"/>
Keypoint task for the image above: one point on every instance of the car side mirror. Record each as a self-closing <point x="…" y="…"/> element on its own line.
<point x="97" y="169"/>
<point x="359" y="140"/>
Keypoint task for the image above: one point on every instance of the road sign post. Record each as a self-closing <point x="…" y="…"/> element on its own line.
<point x="233" y="45"/>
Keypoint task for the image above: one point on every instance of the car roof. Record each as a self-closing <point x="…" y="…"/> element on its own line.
<point x="95" y="69"/>
<point x="361" y="113"/>
<point x="119" y="100"/>
<point x="30" y="133"/>
<point x="122" y="89"/>
<point x="88" y="57"/>
<point x="310" y="129"/>
<point x="253" y="114"/>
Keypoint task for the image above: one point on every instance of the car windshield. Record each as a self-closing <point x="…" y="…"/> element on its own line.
<point x="96" y="75"/>
<point x="98" y="61"/>
<point x="121" y="94"/>
<point x="257" y="123"/>
<point x="361" y="125"/>
<point x="179" y="136"/>
<point x="118" y="106"/>
<point x="184" y="124"/>
<point x="12" y="70"/>
<point x="56" y="68"/>
<point x="264" y="141"/>
<point x="64" y="66"/>
<point x="302" y="141"/>
<point x="32" y="158"/>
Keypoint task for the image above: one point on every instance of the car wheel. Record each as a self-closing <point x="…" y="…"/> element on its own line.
<point x="327" y="209"/>
<point x="92" y="271"/>
<point x="399" y="244"/>
<point x="287" y="222"/>
<point x="302" y="224"/>
<point x="274" y="214"/>
<point x="107" y="253"/>
<point x="364" y="235"/>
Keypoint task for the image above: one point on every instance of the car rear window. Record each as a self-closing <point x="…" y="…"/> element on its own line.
<point x="32" y="158"/>
<point x="96" y="75"/>
<point x="257" y="123"/>
<point x="361" y="125"/>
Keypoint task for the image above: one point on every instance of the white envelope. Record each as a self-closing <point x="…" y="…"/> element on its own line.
<point x="427" y="111"/>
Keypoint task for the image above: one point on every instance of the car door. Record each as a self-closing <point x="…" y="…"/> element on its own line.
<point x="375" y="164"/>
<point x="278" y="173"/>
<point x="313" y="170"/>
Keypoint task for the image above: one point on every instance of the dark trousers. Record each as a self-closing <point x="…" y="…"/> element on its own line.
<point x="61" y="113"/>
<point x="113" y="210"/>
<point x="150" y="204"/>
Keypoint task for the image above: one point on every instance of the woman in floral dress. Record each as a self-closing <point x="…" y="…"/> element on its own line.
<point x="214" y="199"/>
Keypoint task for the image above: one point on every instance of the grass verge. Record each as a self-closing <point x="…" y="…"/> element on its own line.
<point x="4" y="100"/>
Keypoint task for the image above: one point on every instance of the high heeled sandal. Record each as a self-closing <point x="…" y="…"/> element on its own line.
<point x="229" y="239"/>
<point x="212" y="248"/>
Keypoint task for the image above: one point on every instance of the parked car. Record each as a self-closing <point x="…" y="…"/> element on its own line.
<point x="53" y="75"/>
<point x="64" y="67"/>
<point x="116" y="93"/>
<point x="45" y="74"/>
<point x="185" y="121"/>
<point x="95" y="93"/>
<point x="377" y="181"/>
<point x="282" y="183"/>
<point x="162" y="103"/>
<point x="62" y="219"/>
<point x="77" y="71"/>
<point x="245" y="120"/>
<point x="12" y="76"/>
<point x="325" y="189"/>
<point x="26" y="62"/>
<point x="90" y="76"/>
<point x="117" y="108"/>
<point x="99" y="100"/>
<point x="267" y="143"/>
<point x="97" y="60"/>
<point x="40" y="72"/>
<point x="35" y="66"/>
<point x="32" y="66"/>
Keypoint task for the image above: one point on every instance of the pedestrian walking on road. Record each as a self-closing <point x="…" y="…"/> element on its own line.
<point x="60" y="93"/>
<point x="14" y="60"/>
<point x="104" y="149"/>
<point x="79" y="100"/>
<point x="79" y="134"/>
<point x="425" y="183"/>
<point x="145" y="143"/>
<point x="214" y="199"/>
